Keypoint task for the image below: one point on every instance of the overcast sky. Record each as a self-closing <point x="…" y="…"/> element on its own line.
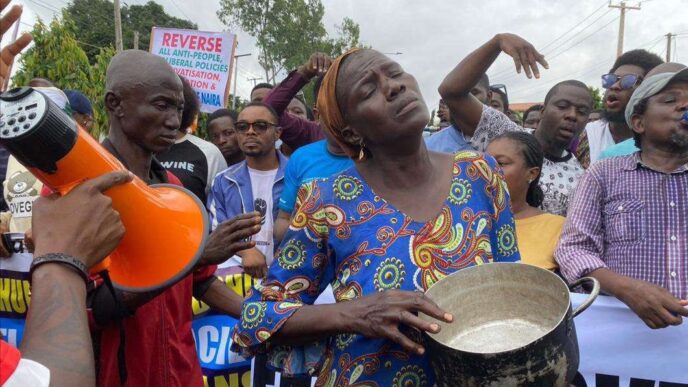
<point x="578" y="37"/>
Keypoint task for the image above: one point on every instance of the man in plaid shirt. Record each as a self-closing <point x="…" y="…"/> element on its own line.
<point x="628" y="223"/>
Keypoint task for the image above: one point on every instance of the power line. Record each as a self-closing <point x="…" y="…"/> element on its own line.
<point x="604" y="3"/>
<point x="554" y="56"/>
<point x="585" y="38"/>
<point x="46" y="6"/>
<point x="586" y="27"/>
<point x="180" y="10"/>
<point x="509" y="68"/>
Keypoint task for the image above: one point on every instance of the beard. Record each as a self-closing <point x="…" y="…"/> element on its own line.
<point x="679" y="142"/>
<point x="619" y="116"/>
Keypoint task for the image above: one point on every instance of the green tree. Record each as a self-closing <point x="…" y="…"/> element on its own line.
<point x="56" y="55"/>
<point x="287" y="32"/>
<point x="597" y="98"/>
<point x="94" y="25"/>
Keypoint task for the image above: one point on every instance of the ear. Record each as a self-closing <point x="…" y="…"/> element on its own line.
<point x="350" y="136"/>
<point x="316" y="114"/>
<point x="638" y="125"/>
<point x="113" y="104"/>
<point x="489" y="96"/>
<point x="533" y="173"/>
<point x="278" y="132"/>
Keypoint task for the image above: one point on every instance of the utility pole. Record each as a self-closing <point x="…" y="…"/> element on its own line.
<point x="254" y="80"/>
<point x="136" y="40"/>
<point x="668" y="50"/>
<point x="236" y="69"/>
<point x="622" y="21"/>
<point x="118" y="28"/>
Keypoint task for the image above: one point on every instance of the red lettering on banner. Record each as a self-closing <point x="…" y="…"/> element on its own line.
<point x="192" y="42"/>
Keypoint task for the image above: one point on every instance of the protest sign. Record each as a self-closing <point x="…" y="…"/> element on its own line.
<point x="204" y="58"/>
<point x="618" y="350"/>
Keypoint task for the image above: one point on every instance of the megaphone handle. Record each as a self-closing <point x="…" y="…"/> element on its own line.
<point x="103" y="265"/>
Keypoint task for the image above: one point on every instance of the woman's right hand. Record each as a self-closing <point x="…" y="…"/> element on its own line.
<point x="381" y="314"/>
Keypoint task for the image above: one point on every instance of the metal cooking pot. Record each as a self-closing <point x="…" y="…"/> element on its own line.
<point x="513" y="326"/>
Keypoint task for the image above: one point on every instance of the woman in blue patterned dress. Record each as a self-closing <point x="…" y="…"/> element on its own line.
<point x="380" y="233"/>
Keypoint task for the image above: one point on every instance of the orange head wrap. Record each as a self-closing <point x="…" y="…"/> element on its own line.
<point x="330" y="114"/>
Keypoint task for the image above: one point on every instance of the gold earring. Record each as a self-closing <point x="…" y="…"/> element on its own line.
<point x="361" y="153"/>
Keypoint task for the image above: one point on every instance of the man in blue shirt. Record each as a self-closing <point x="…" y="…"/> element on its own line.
<point x="452" y="139"/>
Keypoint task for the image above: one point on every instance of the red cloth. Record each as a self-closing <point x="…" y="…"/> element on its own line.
<point x="160" y="349"/>
<point x="9" y="360"/>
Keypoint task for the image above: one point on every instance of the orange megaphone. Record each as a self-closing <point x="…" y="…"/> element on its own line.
<point x="166" y="225"/>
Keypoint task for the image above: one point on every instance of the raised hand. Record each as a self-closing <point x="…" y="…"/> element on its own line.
<point x="317" y="64"/>
<point x="10" y="51"/>
<point x="525" y="56"/>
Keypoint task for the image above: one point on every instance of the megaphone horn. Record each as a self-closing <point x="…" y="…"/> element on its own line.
<point x="166" y="225"/>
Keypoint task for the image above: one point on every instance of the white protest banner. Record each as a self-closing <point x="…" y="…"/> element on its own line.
<point x="618" y="350"/>
<point x="204" y="58"/>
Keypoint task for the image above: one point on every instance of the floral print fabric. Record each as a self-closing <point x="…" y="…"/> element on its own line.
<point x="342" y="234"/>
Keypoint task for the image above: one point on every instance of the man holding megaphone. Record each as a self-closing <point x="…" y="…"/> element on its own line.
<point x="145" y="339"/>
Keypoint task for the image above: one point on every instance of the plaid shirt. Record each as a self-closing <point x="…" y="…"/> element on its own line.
<point x="631" y="219"/>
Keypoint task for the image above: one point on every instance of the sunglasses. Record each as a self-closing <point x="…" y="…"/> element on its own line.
<point x="627" y="81"/>
<point x="499" y="86"/>
<point x="258" y="126"/>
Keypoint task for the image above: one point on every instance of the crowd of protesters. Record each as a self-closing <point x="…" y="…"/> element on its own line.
<point x="341" y="212"/>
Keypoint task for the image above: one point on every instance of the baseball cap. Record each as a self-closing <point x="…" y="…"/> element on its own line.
<point x="651" y="86"/>
<point x="78" y="102"/>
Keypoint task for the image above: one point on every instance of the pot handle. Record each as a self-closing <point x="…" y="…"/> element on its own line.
<point x="593" y="294"/>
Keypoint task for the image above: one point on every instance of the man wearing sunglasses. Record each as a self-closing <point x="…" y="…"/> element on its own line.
<point x="254" y="184"/>
<point x="625" y="76"/>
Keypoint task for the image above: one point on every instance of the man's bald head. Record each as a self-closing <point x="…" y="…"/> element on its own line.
<point x="133" y="69"/>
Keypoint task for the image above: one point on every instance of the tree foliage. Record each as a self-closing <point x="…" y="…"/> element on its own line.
<point x="287" y="32"/>
<point x="57" y="56"/>
<point x="94" y="25"/>
<point x="597" y="98"/>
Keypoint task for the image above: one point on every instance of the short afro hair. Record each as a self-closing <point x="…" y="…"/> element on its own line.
<point x="272" y="111"/>
<point x="262" y="86"/>
<point x="570" y="82"/>
<point x="641" y="58"/>
<point x="219" y="113"/>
